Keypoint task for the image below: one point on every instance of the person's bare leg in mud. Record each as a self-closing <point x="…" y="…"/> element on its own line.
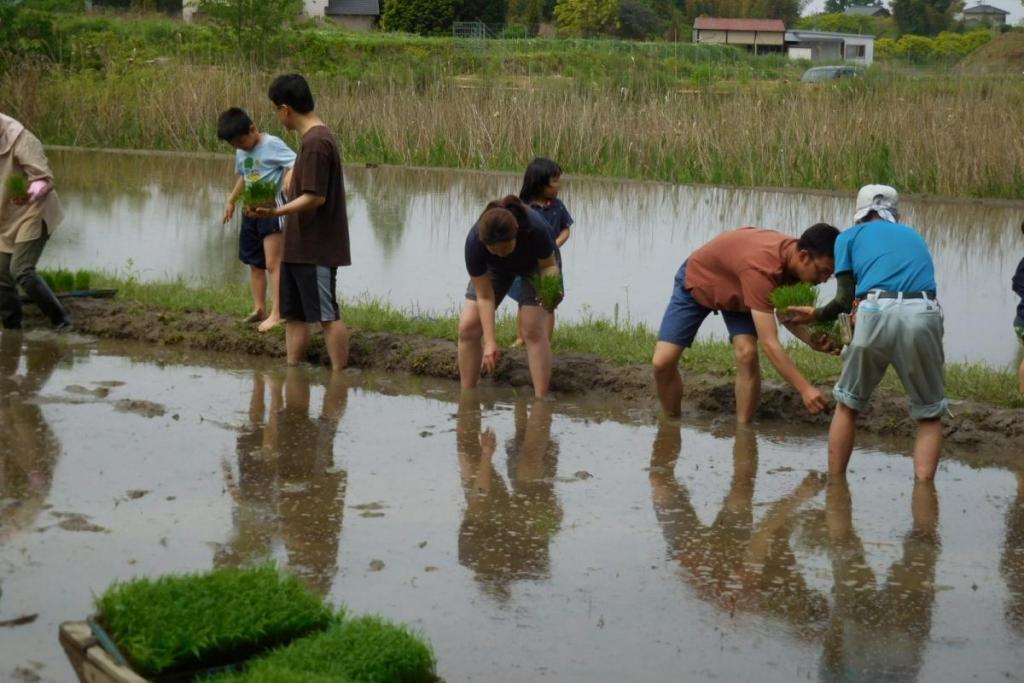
<point x="840" y="439"/>
<point x="927" y="448"/>
<point x="471" y="353"/>
<point x="258" y="287"/>
<point x="296" y="341"/>
<point x="273" y="248"/>
<point x="667" y="379"/>
<point x="748" y="377"/>
<point x="538" y="348"/>
<point x="336" y="341"/>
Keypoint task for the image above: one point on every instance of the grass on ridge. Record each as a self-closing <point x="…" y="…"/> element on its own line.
<point x="616" y="341"/>
<point x="192" y="621"/>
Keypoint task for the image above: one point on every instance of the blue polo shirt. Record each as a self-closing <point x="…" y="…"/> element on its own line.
<point x="888" y="256"/>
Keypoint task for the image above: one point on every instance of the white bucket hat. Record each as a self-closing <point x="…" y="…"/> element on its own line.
<point x="881" y="199"/>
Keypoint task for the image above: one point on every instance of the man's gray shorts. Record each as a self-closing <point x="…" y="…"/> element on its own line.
<point x="906" y="333"/>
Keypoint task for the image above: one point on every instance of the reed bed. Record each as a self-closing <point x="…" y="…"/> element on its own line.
<point x="939" y="136"/>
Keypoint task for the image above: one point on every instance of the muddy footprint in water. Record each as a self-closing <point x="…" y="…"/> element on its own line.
<point x="140" y="407"/>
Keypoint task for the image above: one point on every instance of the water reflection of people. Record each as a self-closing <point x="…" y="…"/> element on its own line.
<point x="255" y="491"/>
<point x="735" y="563"/>
<point x="1012" y="563"/>
<point x="287" y="481"/>
<point x="879" y="634"/>
<point x="28" y="447"/>
<point x="507" y="529"/>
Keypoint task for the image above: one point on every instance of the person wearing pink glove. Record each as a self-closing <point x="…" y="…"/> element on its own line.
<point x="26" y="222"/>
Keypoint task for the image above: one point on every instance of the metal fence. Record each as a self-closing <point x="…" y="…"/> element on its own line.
<point x="479" y="30"/>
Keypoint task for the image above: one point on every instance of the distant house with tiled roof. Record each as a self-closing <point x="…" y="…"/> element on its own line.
<point x="757" y="35"/>
<point x="985" y="14"/>
<point x="869" y="10"/>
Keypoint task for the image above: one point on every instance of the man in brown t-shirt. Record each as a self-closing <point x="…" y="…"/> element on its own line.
<point x="734" y="274"/>
<point x="316" y="232"/>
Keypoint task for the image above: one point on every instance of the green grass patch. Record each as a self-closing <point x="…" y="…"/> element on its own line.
<point x="17" y="188"/>
<point x="613" y="339"/>
<point x="365" y="650"/>
<point x="194" y="621"/>
<point x="259" y="193"/>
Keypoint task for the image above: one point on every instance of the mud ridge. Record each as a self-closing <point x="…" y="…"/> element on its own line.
<point x="979" y="431"/>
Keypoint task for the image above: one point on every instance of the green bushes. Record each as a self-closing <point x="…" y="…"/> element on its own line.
<point x="946" y="46"/>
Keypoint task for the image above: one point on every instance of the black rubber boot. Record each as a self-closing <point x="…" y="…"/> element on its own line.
<point x="46" y="300"/>
<point x="10" y="310"/>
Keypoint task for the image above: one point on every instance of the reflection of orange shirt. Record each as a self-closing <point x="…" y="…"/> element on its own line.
<point x="738" y="270"/>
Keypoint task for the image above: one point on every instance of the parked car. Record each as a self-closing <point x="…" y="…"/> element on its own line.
<point x="829" y="73"/>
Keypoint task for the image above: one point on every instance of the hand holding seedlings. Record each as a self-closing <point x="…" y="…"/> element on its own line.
<point x="549" y="290"/>
<point x="17" y="189"/>
<point x="260" y="198"/>
<point x="798" y="315"/>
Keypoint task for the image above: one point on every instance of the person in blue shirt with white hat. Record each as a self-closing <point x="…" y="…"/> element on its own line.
<point x="886" y="266"/>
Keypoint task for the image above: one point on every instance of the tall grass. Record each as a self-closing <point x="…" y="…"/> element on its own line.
<point x="945" y="136"/>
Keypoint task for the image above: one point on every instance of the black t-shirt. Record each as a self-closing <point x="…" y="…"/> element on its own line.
<point x="533" y="242"/>
<point x="319" y="236"/>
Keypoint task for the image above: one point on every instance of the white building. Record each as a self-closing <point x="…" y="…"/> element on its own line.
<point x="358" y="15"/>
<point x="825" y="46"/>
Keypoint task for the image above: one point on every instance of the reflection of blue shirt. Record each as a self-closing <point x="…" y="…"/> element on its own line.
<point x="268" y="160"/>
<point x="1018" y="288"/>
<point x="887" y="256"/>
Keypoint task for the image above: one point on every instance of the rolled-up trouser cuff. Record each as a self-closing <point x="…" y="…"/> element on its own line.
<point x="849" y="400"/>
<point x="929" y="411"/>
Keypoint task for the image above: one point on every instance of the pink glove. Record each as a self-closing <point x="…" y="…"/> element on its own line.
<point x="38" y="189"/>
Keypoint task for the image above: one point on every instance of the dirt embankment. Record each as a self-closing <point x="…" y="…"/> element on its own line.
<point x="982" y="434"/>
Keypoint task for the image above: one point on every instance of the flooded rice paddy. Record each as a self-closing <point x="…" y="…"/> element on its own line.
<point x="159" y="217"/>
<point x="528" y="540"/>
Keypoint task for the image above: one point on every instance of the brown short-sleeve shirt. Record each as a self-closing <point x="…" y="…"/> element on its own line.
<point x="320" y="236"/>
<point x="738" y="270"/>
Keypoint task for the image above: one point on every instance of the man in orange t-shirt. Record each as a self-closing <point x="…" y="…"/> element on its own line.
<point x="734" y="274"/>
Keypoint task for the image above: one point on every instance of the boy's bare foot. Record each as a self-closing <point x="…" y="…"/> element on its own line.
<point x="270" y="323"/>
<point x="255" y="316"/>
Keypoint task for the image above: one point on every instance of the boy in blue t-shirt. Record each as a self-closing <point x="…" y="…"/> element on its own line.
<point x="258" y="157"/>
<point x="887" y="266"/>
<point x="1018" y="320"/>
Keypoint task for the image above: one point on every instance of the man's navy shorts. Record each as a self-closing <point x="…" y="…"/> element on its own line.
<point x="250" y="239"/>
<point x="308" y="293"/>
<point x="684" y="316"/>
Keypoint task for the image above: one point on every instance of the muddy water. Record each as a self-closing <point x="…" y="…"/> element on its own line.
<point x="528" y="540"/>
<point x="159" y="217"/>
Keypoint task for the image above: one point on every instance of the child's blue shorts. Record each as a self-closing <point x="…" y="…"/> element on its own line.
<point x="250" y="239"/>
